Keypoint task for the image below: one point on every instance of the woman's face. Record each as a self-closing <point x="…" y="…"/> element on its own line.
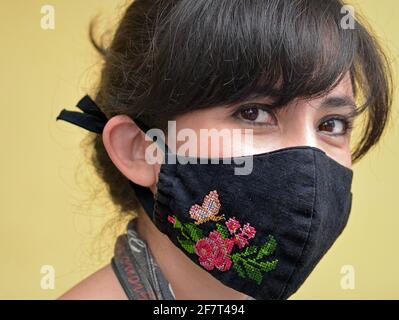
<point x="324" y="123"/>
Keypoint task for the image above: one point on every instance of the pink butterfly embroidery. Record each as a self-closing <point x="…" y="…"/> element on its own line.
<point x="209" y="209"/>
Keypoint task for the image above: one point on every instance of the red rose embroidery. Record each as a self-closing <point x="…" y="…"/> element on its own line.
<point x="213" y="252"/>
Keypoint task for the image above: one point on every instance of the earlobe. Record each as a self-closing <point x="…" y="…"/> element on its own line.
<point x="125" y="144"/>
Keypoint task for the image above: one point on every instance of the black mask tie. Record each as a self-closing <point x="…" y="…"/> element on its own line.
<point x="94" y="120"/>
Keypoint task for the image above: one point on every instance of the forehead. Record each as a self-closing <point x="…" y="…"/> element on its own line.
<point x="344" y="87"/>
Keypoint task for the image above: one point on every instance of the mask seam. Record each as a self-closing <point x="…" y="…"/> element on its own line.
<point x="310" y="227"/>
<point x="159" y="183"/>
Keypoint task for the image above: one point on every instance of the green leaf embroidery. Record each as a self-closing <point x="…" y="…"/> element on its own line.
<point x="246" y="263"/>
<point x="177" y="224"/>
<point x="252" y="268"/>
<point x="239" y="270"/>
<point x="186" y="245"/>
<point x="268" y="265"/>
<point x="253" y="273"/>
<point x="268" y="248"/>
<point x="193" y="231"/>
<point x="188" y="230"/>
<point x="222" y="230"/>
<point x="249" y="250"/>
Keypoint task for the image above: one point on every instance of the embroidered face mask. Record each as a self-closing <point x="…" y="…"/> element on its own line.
<point x="261" y="234"/>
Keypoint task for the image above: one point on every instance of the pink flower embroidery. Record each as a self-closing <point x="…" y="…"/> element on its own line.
<point x="233" y="225"/>
<point x="248" y="231"/>
<point x="213" y="252"/>
<point x="240" y="240"/>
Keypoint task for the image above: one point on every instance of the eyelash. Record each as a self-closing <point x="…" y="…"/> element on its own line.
<point x="262" y="107"/>
<point x="346" y="120"/>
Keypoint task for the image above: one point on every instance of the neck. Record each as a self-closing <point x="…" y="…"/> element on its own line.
<point x="179" y="270"/>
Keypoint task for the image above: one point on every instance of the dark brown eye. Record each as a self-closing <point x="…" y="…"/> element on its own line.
<point x="256" y="115"/>
<point x="334" y="126"/>
<point x="250" y="114"/>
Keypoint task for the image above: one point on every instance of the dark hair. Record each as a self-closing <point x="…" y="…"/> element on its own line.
<point x="168" y="57"/>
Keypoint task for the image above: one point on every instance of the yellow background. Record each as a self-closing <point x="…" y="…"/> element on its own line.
<point x="48" y="214"/>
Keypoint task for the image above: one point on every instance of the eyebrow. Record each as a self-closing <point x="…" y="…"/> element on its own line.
<point x="333" y="101"/>
<point x="338" y="101"/>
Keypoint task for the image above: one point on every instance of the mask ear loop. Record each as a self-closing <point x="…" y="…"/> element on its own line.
<point x="144" y="194"/>
<point x="93" y="119"/>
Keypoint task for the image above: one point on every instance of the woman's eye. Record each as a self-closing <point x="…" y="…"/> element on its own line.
<point x="335" y="127"/>
<point x="255" y="115"/>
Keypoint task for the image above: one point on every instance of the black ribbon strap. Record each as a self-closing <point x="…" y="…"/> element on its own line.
<point x="92" y="118"/>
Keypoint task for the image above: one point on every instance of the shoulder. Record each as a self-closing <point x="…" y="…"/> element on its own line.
<point x="101" y="285"/>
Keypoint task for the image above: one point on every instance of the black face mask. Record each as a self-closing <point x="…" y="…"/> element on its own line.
<point x="263" y="233"/>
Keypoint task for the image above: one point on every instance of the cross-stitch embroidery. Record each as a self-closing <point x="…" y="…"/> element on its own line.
<point x="215" y="250"/>
<point x="209" y="209"/>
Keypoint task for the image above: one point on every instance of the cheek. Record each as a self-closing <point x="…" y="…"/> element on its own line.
<point x="342" y="155"/>
<point x="347" y="153"/>
<point x="348" y="161"/>
<point x="345" y="160"/>
<point x="338" y="149"/>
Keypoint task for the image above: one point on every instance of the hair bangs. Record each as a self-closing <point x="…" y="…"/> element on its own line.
<point x="236" y="50"/>
<point x="188" y="55"/>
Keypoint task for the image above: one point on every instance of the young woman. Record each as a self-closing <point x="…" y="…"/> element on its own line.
<point x="291" y="76"/>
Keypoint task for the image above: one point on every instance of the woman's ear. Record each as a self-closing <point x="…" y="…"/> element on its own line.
<point x="125" y="144"/>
